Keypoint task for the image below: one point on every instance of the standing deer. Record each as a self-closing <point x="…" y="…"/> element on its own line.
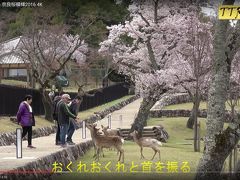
<point x="94" y="141"/>
<point x="106" y="141"/>
<point x="146" y="142"/>
<point x="111" y="132"/>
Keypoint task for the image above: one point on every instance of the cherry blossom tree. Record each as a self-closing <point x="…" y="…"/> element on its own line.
<point x="143" y="47"/>
<point x="195" y="62"/>
<point x="51" y="47"/>
<point x="48" y="50"/>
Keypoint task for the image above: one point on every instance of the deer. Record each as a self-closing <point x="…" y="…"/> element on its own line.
<point x="102" y="141"/>
<point x="94" y="142"/>
<point x="146" y="142"/>
<point x="111" y="132"/>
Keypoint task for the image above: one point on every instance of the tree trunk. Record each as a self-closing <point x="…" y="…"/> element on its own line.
<point x="28" y="79"/>
<point x="1" y="74"/>
<point x="142" y="116"/>
<point x="235" y="158"/>
<point x="59" y="89"/>
<point x="131" y="90"/>
<point x="230" y="163"/>
<point x="237" y="171"/>
<point x="32" y="81"/>
<point x="198" y="136"/>
<point x="190" y="121"/>
<point x="47" y="104"/>
<point x="218" y="143"/>
<point x="196" y="129"/>
<point x="105" y="82"/>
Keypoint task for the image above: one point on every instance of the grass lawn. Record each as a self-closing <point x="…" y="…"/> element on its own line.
<point x="188" y="106"/>
<point x="176" y="128"/>
<point x="74" y="88"/>
<point x="8" y="126"/>
<point x="132" y="157"/>
<point x="177" y="150"/>
<point x="14" y="82"/>
<point x="203" y="105"/>
<point x="71" y="88"/>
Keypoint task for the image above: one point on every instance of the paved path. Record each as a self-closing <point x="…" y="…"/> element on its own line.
<point x="46" y="145"/>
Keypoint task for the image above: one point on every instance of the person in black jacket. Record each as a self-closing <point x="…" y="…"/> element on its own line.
<point x="74" y="108"/>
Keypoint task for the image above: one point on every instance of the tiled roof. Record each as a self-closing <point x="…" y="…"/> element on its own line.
<point x="7" y="56"/>
<point x="11" y="59"/>
<point x="9" y="46"/>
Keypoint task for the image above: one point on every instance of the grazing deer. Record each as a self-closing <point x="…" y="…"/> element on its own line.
<point x="94" y="142"/>
<point x="106" y="141"/>
<point x="146" y="142"/>
<point x="111" y="132"/>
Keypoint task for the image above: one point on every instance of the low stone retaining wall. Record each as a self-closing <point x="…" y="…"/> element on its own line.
<point x="9" y="138"/>
<point x="183" y="113"/>
<point x="172" y="99"/>
<point x="42" y="167"/>
<point x="176" y="113"/>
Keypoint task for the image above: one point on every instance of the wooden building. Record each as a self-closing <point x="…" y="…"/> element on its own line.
<point x="12" y="66"/>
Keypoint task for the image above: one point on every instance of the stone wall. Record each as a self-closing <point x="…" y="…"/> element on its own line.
<point x="176" y="113"/>
<point x="42" y="167"/>
<point x="172" y="99"/>
<point x="183" y="113"/>
<point x="10" y="138"/>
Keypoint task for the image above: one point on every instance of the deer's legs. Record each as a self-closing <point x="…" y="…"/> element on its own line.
<point x="96" y="157"/>
<point x="154" y="153"/>
<point x="95" y="151"/>
<point x="98" y="153"/>
<point x="141" y="149"/>
<point x="122" y="152"/>
<point x="120" y="155"/>
<point x="101" y="152"/>
<point x="159" y="154"/>
<point x="118" y="151"/>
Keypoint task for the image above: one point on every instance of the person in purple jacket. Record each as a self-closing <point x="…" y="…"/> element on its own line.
<point x="26" y="119"/>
